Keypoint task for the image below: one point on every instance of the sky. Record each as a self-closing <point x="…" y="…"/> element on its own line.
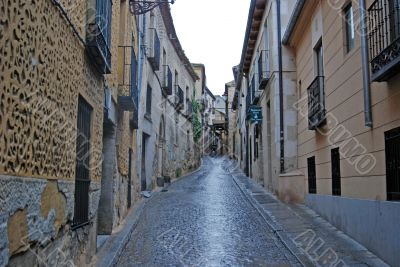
<point x="212" y="32"/>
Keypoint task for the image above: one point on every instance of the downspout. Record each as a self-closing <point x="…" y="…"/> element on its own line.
<point x="365" y="65"/>
<point x="281" y="119"/>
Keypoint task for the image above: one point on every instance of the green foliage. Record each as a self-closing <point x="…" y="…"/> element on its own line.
<point x="178" y="172"/>
<point x="197" y="126"/>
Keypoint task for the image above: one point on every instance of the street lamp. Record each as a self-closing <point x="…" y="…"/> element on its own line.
<point x="139" y="7"/>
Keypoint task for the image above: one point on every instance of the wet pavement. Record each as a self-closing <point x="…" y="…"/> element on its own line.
<point x="204" y="220"/>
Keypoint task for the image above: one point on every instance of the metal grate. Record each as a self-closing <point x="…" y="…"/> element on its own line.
<point x="155" y="49"/>
<point x="167" y="81"/>
<point x="99" y="36"/>
<point x="148" y="99"/>
<point x="312" y="177"/>
<point x="82" y="174"/>
<point x="316" y="103"/>
<point x="392" y="151"/>
<point x="263" y="69"/>
<point x="384" y="37"/>
<point x="384" y="25"/>
<point x="335" y="162"/>
<point x="130" y="179"/>
<point x="179" y="97"/>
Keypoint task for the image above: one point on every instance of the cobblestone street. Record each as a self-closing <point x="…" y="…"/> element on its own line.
<point x="204" y="219"/>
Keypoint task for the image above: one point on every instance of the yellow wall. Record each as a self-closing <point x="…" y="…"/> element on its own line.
<point x="43" y="69"/>
<point x="344" y="101"/>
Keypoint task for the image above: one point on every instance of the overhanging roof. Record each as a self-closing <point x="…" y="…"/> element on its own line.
<point x="256" y="12"/>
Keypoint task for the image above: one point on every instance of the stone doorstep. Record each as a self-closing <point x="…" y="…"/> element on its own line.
<point x="302" y="219"/>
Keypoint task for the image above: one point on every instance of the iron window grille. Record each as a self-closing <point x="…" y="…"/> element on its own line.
<point x="179" y="97"/>
<point x="384" y="38"/>
<point x="155" y="49"/>
<point x="149" y="94"/>
<point x="316" y="103"/>
<point x="312" y="177"/>
<point x="335" y="162"/>
<point x="263" y="69"/>
<point x="128" y="79"/>
<point x="167" y="80"/>
<point x="98" y="36"/>
<point x="82" y="171"/>
<point x="392" y="153"/>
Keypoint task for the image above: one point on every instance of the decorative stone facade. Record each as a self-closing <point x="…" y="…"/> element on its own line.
<point x="165" y="137"/>
<point x="44" y="69"/>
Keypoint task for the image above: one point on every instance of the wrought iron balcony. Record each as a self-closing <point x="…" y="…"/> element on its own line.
<point x="316" y="103"/>
<point x="98" y="36"/>
<point x="263" y="69"/>
<point x="127" y="74"/>
<point x="167" y="80"/>
<point x="179" y="100"/>
<point x="384" y="39"/>
<point x="155" y="47"/>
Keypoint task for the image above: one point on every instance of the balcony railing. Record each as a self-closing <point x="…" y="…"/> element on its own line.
<point x="127" y="72"/>
<point x="98" y="36"/>
<point x="316" y="103"/>
<point x="384" y="41"/>
<point x="167" y="80"/>
<point x="179" y="97"/>
<point x="155" y="47"/>
<point x="263" y="69"/>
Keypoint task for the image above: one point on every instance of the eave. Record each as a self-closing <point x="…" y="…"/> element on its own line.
<point x="254" y="20"/>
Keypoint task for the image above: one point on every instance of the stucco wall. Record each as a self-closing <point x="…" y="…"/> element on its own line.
<point x="344" y="98"/>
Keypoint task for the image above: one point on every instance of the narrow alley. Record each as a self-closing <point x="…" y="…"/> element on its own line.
<point x="204" y="219"/>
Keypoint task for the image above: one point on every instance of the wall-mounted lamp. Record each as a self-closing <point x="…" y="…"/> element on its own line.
<point x="139" y="7"/>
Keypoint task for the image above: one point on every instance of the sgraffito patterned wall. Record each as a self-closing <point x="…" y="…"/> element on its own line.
<point x="43" y="69"/>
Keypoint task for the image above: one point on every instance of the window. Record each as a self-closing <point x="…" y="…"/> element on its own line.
<point x="335" y="162"/>
<point x="349" y="24"/>
<point x="394" y="18"/>
<point x="82" y="173"/>
<point x="148" y="100"/>
<point x="319" y="59"/>
<point x="316" y="91"/>
<point x="392" y="152"/>
<point x="312" y="177"/>
<point x="98" y="35"/>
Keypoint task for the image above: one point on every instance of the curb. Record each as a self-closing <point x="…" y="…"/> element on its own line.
<point x="276" y="228"/>
<point x="111" y="251"/>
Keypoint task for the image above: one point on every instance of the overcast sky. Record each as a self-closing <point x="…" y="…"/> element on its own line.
<point x="212" y="32"/>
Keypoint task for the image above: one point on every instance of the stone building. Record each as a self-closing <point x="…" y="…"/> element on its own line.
<point x="165" y="142"/>
<point x="230" y="91"/>
<point x="66" y="137"/>
<point x="208" y="116"/>
<point x="266" y="119"/>
<point x="219" y="126"/>
<point x="348" y="113"/>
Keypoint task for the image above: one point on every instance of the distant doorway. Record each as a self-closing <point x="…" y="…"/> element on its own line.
<point x="145" y="141"/>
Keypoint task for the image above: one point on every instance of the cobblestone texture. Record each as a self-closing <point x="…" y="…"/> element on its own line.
<point x="203" y="219"/>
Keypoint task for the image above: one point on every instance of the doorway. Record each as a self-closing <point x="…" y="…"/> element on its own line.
<point x="145" y="140"/>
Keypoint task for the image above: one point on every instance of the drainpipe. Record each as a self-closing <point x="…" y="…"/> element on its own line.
<point x="365" y="65"/>
<point x="282" y="129"/>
